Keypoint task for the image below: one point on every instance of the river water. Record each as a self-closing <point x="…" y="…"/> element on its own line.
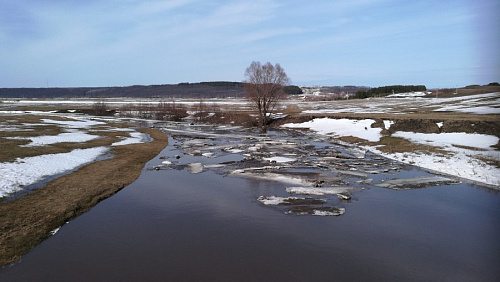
<point x="175" y="225"/>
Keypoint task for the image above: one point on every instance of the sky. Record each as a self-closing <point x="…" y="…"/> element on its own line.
<point x="73" y="43"/>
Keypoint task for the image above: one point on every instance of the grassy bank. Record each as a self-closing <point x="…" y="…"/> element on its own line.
<point x="27" y="221"/>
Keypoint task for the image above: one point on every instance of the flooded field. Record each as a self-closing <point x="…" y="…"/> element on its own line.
<point x="225" y="203"/>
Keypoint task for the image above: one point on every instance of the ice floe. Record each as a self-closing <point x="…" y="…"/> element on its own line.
<point x="280" y="159"/>
<point x="195" y="167"/>
<point x="275" y="200"/>
<point x="318" y="190"/>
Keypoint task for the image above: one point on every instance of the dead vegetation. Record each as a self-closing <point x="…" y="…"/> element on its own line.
<point x="27" y="221"/>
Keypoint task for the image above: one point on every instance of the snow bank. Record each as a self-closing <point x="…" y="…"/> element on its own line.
<point x="341" y="127"/>
<point x="27" y="171"/>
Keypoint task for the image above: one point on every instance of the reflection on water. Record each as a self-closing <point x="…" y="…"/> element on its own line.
<point x="171" y="225"/>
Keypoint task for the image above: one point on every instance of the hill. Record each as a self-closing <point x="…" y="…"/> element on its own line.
<point x="217" y="89"/>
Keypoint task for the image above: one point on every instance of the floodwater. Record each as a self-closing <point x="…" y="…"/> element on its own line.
<point x="175" y="225"/>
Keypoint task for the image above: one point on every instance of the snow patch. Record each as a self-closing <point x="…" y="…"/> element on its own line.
<point x="481" y="141"/>
<point x="74" y="137"/>
<point x="82" y="123"/>
<point x="342" y="127"/>
<point x="135" y="137"/>
<point x="27" y="171"/>
<point x="388" y="123"/>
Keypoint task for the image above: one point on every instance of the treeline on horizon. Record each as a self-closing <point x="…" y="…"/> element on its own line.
<point x="388" y="90"/>
<point x="213" y="89"/>
<point x="289" y="89"/>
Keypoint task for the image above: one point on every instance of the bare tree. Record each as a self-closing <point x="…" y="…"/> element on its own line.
<point x="100" y="108"/>
<point x="264" y="88"/>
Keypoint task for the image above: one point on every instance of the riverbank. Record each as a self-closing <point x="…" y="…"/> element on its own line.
<point x="27" y="221"/>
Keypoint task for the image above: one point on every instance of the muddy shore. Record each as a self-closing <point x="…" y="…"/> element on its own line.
<point x="27" y="221"/>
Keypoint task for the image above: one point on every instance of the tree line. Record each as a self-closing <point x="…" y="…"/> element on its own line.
<point x="387" y="90"/>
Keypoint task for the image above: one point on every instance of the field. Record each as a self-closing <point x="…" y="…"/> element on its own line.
<point x="80" y="159"/>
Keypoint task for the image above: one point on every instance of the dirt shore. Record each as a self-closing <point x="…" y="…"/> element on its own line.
<point x="27" y="221"/>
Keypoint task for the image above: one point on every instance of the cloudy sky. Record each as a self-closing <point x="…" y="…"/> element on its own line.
<point x="445" y="43"/>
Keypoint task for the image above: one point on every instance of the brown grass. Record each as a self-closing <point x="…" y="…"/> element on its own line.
<point x="393" y="145"/>
<point x="10" y="148"/>
<point x="401" y="145"/>
<point x="27" y="221"/>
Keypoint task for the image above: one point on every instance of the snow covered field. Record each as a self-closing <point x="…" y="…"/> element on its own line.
<point x="22" y="172"/>
<point x="474" y="104"/>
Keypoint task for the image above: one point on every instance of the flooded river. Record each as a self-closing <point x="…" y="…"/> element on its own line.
<point x="222" y="204"/>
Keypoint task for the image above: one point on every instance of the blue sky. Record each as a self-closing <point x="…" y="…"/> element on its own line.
<point x="61" y="43"/>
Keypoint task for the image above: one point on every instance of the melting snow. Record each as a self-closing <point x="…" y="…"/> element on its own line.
<point x="83" y="123"/>
<point x="459" y="162"/>
<point x="341" y="127"/>
<point x="135" y="137"/>
<point x="27" y="171"/>
<point x="77" y="136"/>
<point x="447" y="139"/>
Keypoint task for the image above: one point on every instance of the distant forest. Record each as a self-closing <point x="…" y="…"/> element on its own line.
<point x="214" y="89"/>
<point x="387" y="90"/>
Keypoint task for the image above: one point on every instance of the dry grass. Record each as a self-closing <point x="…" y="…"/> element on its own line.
<point x="27" y="221"/>
<point x="388" y="144"/>
<point x="401" y="145"/>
